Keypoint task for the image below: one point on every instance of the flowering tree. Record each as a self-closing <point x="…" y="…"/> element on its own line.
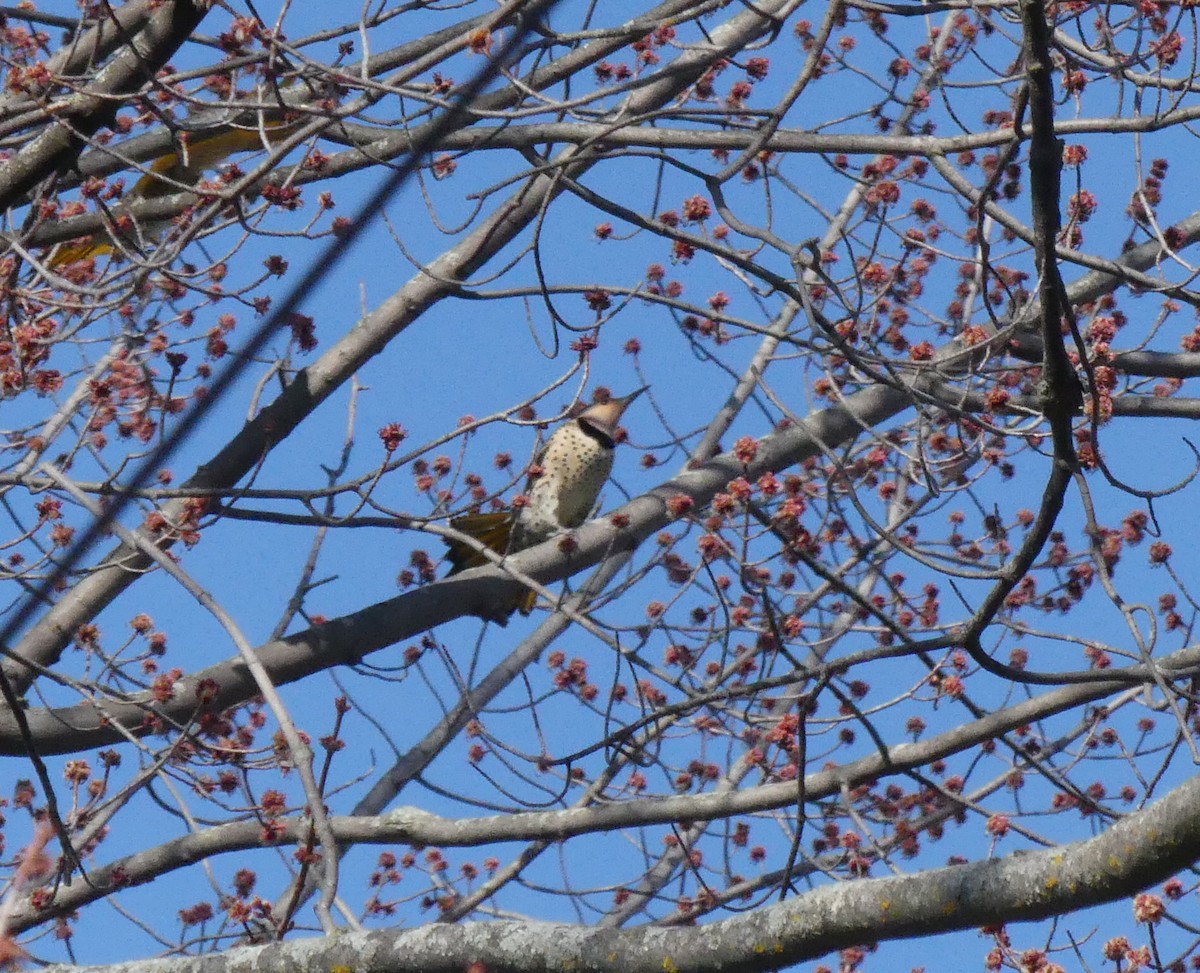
<point x="867" y="641"/>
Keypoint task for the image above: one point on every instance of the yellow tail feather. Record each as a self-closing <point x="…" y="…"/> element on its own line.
<point x="80" y="249"/>
<point x="525" y="603"/>
<point x="493" y="531"/>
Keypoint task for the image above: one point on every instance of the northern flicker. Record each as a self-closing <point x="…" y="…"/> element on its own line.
<point x="570" y="472"/>
<point x="205" y="151"/>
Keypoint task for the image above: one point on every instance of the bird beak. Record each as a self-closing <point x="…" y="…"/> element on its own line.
<point x="625" y="400"/>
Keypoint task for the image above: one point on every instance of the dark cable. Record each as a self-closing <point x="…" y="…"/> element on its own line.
<point x="335" y="250"/>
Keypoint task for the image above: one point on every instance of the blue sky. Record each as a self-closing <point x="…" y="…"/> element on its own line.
<point x="467" y="357"/>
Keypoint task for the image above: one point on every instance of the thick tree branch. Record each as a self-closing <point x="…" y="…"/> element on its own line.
<point x="1135" y="852"/>
<point x="82" y="115"/>
<point x="413" y="826"/>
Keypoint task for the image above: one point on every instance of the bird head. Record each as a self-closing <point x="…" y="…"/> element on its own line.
<point x="601" y="419"/>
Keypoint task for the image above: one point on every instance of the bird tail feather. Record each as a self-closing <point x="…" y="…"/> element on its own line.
<point x="493" y="530"/>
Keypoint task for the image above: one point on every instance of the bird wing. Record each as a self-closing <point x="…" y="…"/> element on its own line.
<point x="492" y="530"/>
<point x="165" y="173"/>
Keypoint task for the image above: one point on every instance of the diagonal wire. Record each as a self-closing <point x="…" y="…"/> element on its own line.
<point x="332" y="254"/>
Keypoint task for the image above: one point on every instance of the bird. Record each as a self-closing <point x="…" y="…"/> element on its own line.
<point x="204" y="151"/>
<point x="561" y="494"/>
